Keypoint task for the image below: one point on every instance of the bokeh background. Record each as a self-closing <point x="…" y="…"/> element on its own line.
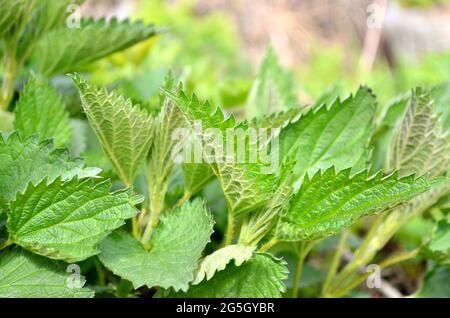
<point x="218" y="44"/>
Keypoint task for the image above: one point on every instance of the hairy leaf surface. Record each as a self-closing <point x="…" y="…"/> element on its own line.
<point x="124" y="130"/>
<point x="67" y="220"/>
<point x="418" y="145"/>
<point x="336" y="136"/>
<point x="27" y="160"/>
<point x="247" y="185"/>
<point x="329" y="202"/>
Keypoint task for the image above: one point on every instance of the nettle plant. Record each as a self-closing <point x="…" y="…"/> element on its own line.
<point x="152" y="240"/>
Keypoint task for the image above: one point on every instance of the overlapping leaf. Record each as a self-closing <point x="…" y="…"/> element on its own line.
<point x="58" y="51"/>
<point x="176" y="245"/>
<point x="24" y="161"/>
<point x="46" y="16"/>
<point x="41" y="111"/>
<point x="329" y="202"/>
<point x="247" y="185"/>
<point x="260" y="277"/>
<point x="336" y="136"/>
<point x="124" y="130"/>
<point x="218" y="260"/>
<point x="67" y="220"/>
<point x="25" y="275"/>
<point x="418" y="145"/>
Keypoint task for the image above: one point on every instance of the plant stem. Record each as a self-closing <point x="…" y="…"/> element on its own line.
<point x="395" y="259"/>
<point x="6" y="244"/>
<point x="303" y="251"/>
<point x="230" y="229"/>
<point x="186" y="196"/>
<point x="155" y="210"/>
<point x="268" y="245"/>
<point x="298" y="273"/>
<point x="335" y="263"/>
<point x="9" y="79"/>
<point x="359" y="256"/>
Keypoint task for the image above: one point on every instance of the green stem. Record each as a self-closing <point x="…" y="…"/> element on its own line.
<point x="359" y="256"/>
<point x="9" y="77"/>
<point x="298" y="274"/>
<point x="6" y="244"/>
<point x="155" y="210"/>
<point x="395" y="259"/>
<point x="186" y="196"/>
<point x="100" y="273"/>
<point x="335" y="263"/>
<point x="268" y="245"/>
<point x="303" y="251"/>
<point x="230" y="229"/>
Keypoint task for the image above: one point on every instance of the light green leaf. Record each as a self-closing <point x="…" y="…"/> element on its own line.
<point x="124" y="130"/>
<point x="14" y="15"/>
<point x="246" y="185"/>
<point x="260" y="277"/>
<point x="41" y="111"/>
<point x="25" y="275"/>
<point x="196" y="176"/>
<point x="329" y="202"/>
<point x="46" y="16"/>
<point x="435" y="283"/>
<point x="441" y="97"/>
<point x="437" y="248"/>
<point x="67" y="220"/>
<point x="6" y="121"/>
<point x="58" y="52"/>
<point x="26" y="160"/>
<point x="418" y="145"/>
<point x="176" y="245"/>
<point x="338" y="136"/>
<point x="272" y="90"/>
<point x="218" y="260"/>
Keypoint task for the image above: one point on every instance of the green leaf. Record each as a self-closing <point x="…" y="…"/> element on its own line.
<point x="124" y="130"/>
<point x="329" y="202"/>
<point x="418" y="145"/>
<point x="272" y="90"/>
<point x="25" y="275"/>
<point x="441" y="96"/>
<point x="41" y="111"/>
<point x="437" y="247"/>
<point x="338" y="136"/>
<point x="435" y="283"/>
<point x="47" y="15"/>
<point x="176" y="245"/>
<point x="196" y="176"/>
<point x="15" y="14"/>
<point x="260" y="277"/>
<point x="218" y="260"/>
<point x="67" y="220"/>
<point x="246" y="185"/>
<point x="57" y="52"/>
<point x="26" y="160"/>
<point x="6" y="121"/>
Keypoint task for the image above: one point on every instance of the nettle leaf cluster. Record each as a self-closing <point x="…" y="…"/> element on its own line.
<point x="55" y="211"/>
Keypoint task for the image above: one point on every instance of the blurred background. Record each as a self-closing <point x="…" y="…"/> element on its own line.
<point x="327" y="45"/>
